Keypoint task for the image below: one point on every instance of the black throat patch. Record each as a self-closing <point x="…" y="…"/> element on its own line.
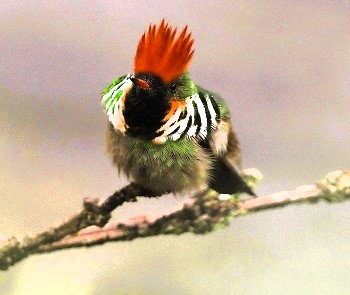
<point x="144" y="109"/>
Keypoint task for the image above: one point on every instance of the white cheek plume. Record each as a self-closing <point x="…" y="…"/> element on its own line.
<point x="113" y="101"/>
<point x="196" y="107"/>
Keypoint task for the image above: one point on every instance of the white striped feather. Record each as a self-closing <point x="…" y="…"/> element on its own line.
<point x="182" y="125"/>
<point x="202" y="115"/>
<point x="212" y="112"/>
<point x="113" y="104"/>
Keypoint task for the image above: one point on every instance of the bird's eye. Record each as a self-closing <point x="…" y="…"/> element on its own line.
<point x="172" y="87"/>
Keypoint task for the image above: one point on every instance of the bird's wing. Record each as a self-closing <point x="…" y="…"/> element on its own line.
<point x="222" y="143"/>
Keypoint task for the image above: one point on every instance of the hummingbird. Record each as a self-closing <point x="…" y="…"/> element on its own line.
<point x="165" y="132"/>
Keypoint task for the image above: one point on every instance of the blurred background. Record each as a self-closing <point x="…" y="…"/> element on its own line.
<point x="284" y="68"/>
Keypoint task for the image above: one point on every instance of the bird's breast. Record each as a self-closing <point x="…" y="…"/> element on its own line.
<point x="170" y="167"/>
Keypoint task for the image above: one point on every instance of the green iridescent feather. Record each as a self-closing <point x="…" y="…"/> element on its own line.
<point x="114" y="83"/>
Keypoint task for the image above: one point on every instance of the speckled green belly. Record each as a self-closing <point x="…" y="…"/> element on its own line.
<point x="174" y="166"/>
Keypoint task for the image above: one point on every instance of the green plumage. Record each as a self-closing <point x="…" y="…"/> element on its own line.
<point x="161" y="168"/>
<point x="114" y="83"/>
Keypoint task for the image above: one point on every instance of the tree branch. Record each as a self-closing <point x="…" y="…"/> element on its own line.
<point x="202" y="213"/>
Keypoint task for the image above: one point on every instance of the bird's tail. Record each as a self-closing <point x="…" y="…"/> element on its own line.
<point x="227" y="179"/>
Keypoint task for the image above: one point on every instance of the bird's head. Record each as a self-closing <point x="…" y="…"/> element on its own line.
<point x="160" y="83"/>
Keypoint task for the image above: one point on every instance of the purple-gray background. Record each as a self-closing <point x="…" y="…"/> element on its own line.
<point x="284" y="68"/>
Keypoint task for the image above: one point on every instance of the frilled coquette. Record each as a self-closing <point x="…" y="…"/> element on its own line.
<point x="165" y="132"/>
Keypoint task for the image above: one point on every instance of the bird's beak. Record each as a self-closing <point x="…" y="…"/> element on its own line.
<point x="143" y="84"/>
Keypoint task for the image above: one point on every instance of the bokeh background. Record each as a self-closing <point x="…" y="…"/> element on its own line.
<point x="284" y="68"/>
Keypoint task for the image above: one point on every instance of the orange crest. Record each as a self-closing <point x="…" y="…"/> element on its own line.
<point x="161" y="54"/>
